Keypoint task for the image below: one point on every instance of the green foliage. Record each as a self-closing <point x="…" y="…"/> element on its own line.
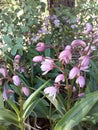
<point x="78" y="112"/>
<point x="22" y="25"/>
<point x="17" y="20"/>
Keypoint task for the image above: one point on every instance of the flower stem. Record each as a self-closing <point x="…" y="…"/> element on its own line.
<point x="21" y="122"/>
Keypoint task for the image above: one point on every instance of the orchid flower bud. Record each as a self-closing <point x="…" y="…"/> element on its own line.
<point x="38" y="59"/>
<point x="6" y="92"/>
<point x="78" y="42"/>
<point x="56" y="22"/>
<point x="52" y="91"/>
<point x="16" y="80"/>
<point x="74" y="89"/>
<point x="89" y="28"/>
<point x="3" y="72"/>
<point x="85" y="60"/>
<point x="65" y="56"/>
<point x="17" y="59"/>
<point x="59" y="78"/>
<point x="74" y="72"/>
<point x="81" y="95"/>
<point x="40" y="47"/>
<point x="81" y="81"/>
<point x="25" y="90"/>
<point x="47" y="65"/>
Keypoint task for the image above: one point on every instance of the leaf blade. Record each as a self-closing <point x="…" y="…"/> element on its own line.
<point x="75" y="115"/>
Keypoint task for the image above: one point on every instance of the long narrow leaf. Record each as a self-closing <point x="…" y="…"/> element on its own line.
<point x="13" y="105"/>
<point x="76" y="114"/>
<point x="32" y="97"/>
<point x="8" y="116"/>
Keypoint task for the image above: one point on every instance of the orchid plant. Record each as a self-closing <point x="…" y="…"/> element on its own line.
<point x="67" y="92"/>
<point x="71" y="74"/>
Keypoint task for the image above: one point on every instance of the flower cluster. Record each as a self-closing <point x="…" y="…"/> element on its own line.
<point x="5" y="79"/>
<point x="64" y="57"/>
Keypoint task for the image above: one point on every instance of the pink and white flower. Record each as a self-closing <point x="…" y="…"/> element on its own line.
<point x="89" y="28"/>
<point x="47" y="65"/>
<point x="81" y="95"/>
<point x="85" y="60"/>
<point x="52" y="91"/>
<point x="81" y="81"/>
<point x="4" y="72"/>
<point x="17" y="59"/>
<point x="74" y="72"/>
<point x="16" y="80"/>
<point x="78" y="42"/>
<point x="6" y="92"/>
<point x="38" y="59"/>
<point x="65" y="56"/>
<point x="59" y="78"/>
<point x="84" y="68"/>
<point x="25" y="90"/>
<point x="40" y="47"/>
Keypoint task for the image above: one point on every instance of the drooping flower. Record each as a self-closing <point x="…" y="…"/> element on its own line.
<point x="78" y="42"/>
<point x="85" y="60"/>
<point x="91" y="49"/>
<point x="68" y="47"/>
<point x="89" y="28"/>
<point x="38" y="59"/>
<point x="17" y="59"/>
<point x="81" y="95"/>
<point x="84" y="68"/>
<point x="74" y="89"/>
<point x="74" y="72"/>
<point x="52" y="91"/>
<point x="16" y="80"/>
<point x="25" y="90"/>
<point x="65" y="56"/>
<point x="40" y="47"/>
<point x="56" y="22"/>
<point x="6" y="92"/>
<point x="3" y="72"/>
<point x="47" y="65"/>
<point x="59" y="78"/>
<point x="81" y="81"/>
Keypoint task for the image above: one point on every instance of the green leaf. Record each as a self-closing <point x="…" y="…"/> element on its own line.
<point x="59" y="107"/>
<point x="28" y="103"/>
<point x="77" y="113"/>
<point x="19" y="40"/>
<point x="41" y="108"/>
<point x="8" y="116"/>
<point x="15" y="108"/>
<point x="1" y="101"/>
<point x="15" y="48"/>
<point x="7" y="40"/>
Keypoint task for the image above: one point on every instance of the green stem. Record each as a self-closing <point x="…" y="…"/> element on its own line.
<point x="21" y="122"/>
<point x="69" y="98"/>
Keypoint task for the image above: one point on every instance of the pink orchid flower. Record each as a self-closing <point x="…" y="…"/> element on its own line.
<point x="74" y="72"/>
<point x="81" y="81"/>
<point x="65" y="56"/>
<point x="16" y="80"/>
<point x="3" y="72"/>
<point x="52" y="91"/>
<point x="59" y="78"/>
<point x="25" y="90"/>
<point x="78" y="42"/>
<point x="47" y="65"/>
<point x="40" y="47"/>
<point x="17" y="59"/>
<point x="38" y="59"/>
